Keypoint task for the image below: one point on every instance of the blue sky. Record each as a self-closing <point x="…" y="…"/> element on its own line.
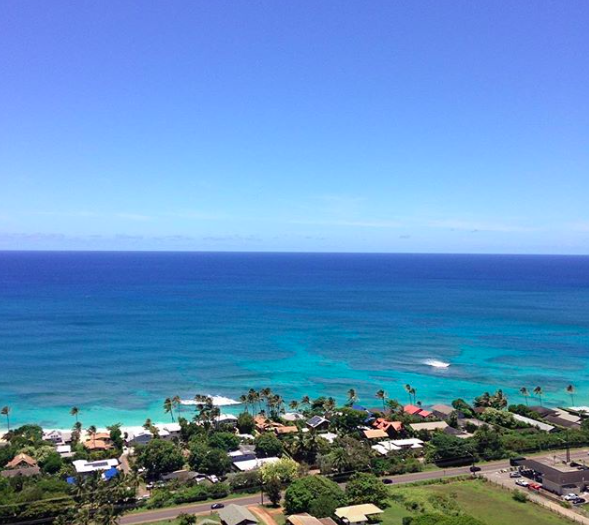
<point x="430" y="126"/>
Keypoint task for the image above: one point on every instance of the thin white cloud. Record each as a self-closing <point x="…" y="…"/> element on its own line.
<point x="472" y="226"/>
<point x="351" y="223"/>
<point x="134" y="217"/>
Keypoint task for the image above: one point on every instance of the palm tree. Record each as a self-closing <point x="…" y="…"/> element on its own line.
<point x="538" y="392"/>
<point x="294" y="404"/>
<point x="352" y="396"/>
<point x="92" y="432"/>
<point x="571" y="391"/>
<point x="329" y="404"/>
<point x="169" y="407"/>
<point x="265" y="394"/>
<point x="6" y="412"/>
<point x="524" y="392"/>
<point x="74" y="412"/>
<point x="409" y="391"/>
<point x="382" y="395"/>
<point x="305" y="400"/>
<point x="244" y="401"/>
<point x="413" y="392"/>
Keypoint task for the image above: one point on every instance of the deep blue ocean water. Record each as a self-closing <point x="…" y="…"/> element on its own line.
<point x="116" y="333"/>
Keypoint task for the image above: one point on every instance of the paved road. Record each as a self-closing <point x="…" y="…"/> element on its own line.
<point x="200" y="508"/>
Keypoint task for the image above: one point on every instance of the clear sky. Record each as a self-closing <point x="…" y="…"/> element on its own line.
<point x="422" y="126"/>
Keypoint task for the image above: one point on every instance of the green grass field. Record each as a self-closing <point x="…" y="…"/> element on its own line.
<point x="492" y="505"/>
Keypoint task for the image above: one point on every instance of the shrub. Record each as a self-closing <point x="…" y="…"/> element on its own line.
<point x="520" y="496"/>
<point x="268" y="445"/>
<point x="190" y="494"/>
<point x="219" y="490"/>
<point x="301" y="495"/>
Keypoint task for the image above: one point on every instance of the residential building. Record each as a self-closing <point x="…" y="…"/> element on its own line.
<point x="236" y="515"/>
<point x="358" y="514"/>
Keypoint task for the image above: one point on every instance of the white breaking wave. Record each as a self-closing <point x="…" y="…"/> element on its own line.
<point x="436" y="364"/>
<point x="218" y="401"/>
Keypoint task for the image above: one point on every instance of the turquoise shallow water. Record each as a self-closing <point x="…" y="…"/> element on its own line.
<point x="115" y="333"/>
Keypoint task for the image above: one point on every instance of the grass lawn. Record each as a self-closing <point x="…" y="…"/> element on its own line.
<point x="492" y="505"/>
<point x="214" y="517"/>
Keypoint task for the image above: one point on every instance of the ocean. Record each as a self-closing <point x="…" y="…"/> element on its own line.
<point x="116" y="333"/>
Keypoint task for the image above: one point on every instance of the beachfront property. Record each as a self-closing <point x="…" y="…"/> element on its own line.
<point x="445" y="412"/>
<point x="236" y="515"/>
<point x="358" y="514"/>
<point x="416" y="411"/>
<point x="429" y="426"/>
<point x="558" y="417"/>
<point x="545" y="427"/>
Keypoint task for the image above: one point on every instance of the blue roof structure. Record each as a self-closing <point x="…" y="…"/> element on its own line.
<point x="110" y="473"/>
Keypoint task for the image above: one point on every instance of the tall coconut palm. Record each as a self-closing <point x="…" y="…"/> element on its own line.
<point x="538" y="392"/>
<point x="244" y="401"/>
<point x="571" y="391"/>
<point x="382" y="395"/>
<point x="525" y="392"/>
<point x="169" y="407"/>
<point x="306" y="400"/>
<point x="74" y="412"/>
<point x="352" y="396"/>
<point x="265" y="395"/>
<point x="329" y="404"/>
<point x="413" y="393"/>
<point x="6" y="412"/>
<point x="294" y="405"/>
<point x="92" y="432"/>
<point x="409" y="391"/>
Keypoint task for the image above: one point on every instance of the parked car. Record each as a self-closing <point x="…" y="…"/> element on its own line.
<point x="387" y="481"/>
<point x="534" y="486"/>
<point x="578" y="501"/>
<point x="475" y="469"/>
<point x="515" y="475"/>
<point x="217" y="506"/>
<point x="570" y="496"/>
<point x="522" y="482"/>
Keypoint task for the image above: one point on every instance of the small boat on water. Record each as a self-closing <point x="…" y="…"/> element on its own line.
<point x="436" y="364"/>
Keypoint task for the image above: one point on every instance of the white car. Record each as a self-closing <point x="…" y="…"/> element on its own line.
<point x="522" y="482"/>
<point x="570" y="496"/>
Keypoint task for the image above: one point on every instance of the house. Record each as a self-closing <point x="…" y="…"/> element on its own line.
<point x="318" y="423"/>
<point x="307" y="519"/>
<point x="545" y="427"/>
<point x="292" y="416"/>
<point x="236" y="515"/>
<point x="445" y="412"/>
<point x="182" y="475"/>
<point x="394" y="445"/>
<point x="227" y="419"/>
<point x="413" y="410"/>
<point x="390" y="427"/>
<point x="22" y="471"/>
<point x="263" y="423"/>
<point x="281" y="431"/>
<point x="564" y="419"/>
<point x="358" y="513"/>
<point x="142" y="437"/>
<point x="560" y="478"/>
<point x="330" y="437"/>
<point x="375" y="433"/>
<point x="21" y="461"/>
<point x="98" y="441"/>
<point x="430" y="426"/>
<point x="58" y="437"/>
<point x="65" y="451"/>
<point x="86" y="467"/>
